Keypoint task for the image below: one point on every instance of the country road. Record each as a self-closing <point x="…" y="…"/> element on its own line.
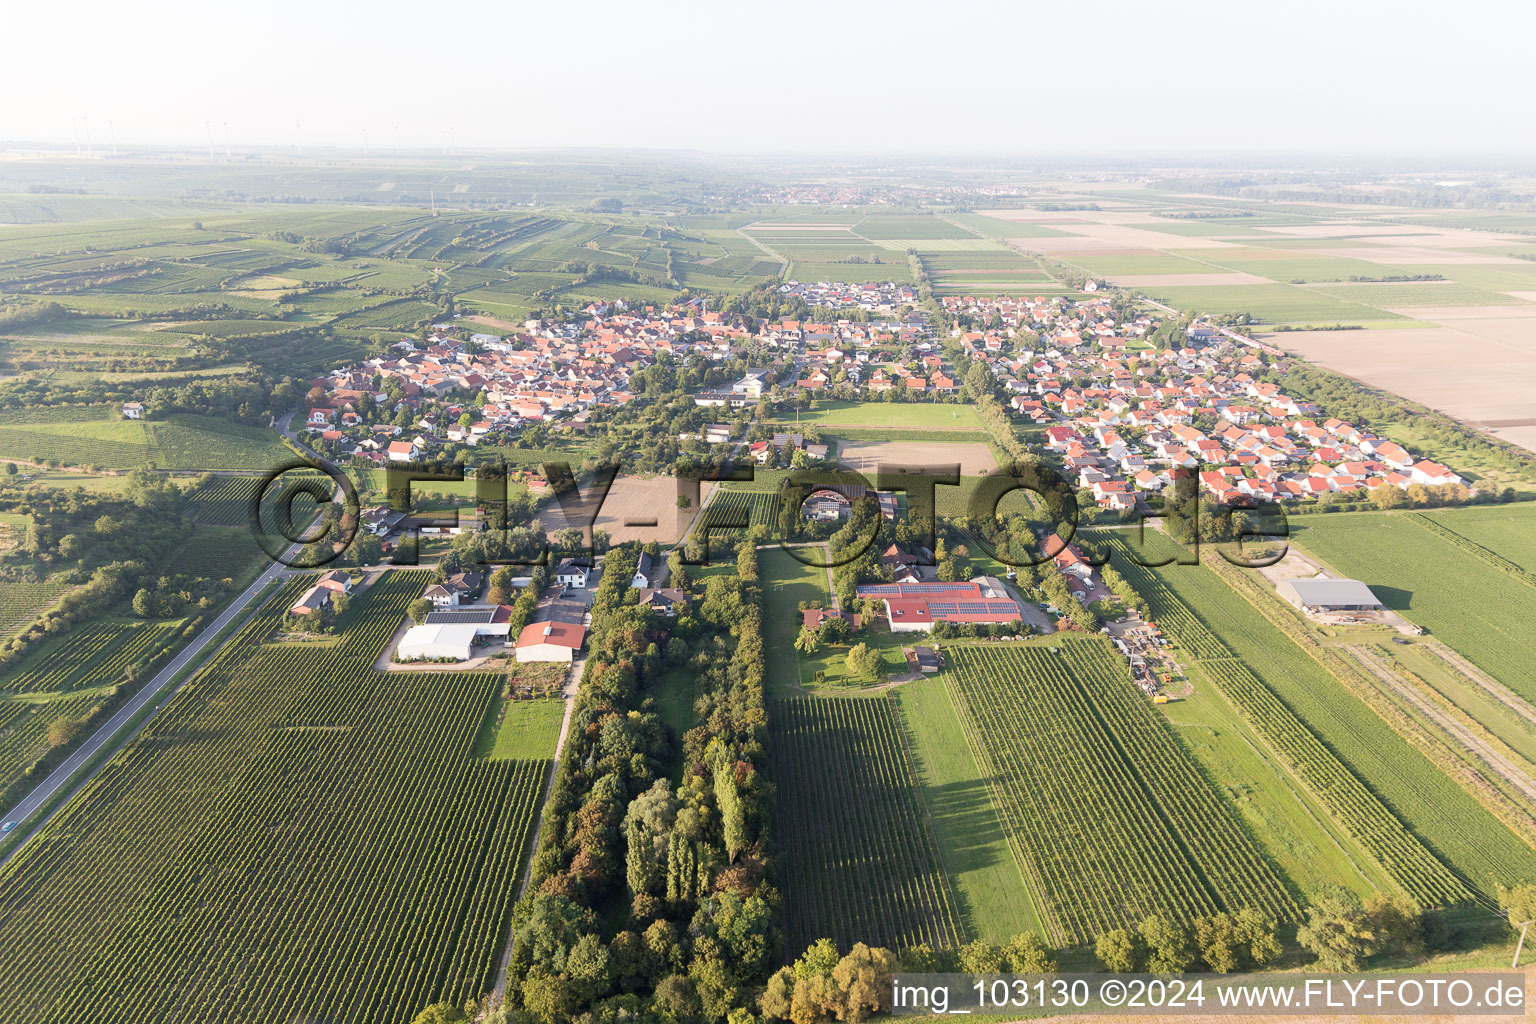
<point x="64" y="775"/>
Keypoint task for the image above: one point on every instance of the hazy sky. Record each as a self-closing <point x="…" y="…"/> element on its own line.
<point x="944" y="76"/>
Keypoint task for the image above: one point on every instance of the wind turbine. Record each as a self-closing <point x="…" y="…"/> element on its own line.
<point x="226" y="141"/>
<point x="209" y="126"/>
<point x="85" y="123"/>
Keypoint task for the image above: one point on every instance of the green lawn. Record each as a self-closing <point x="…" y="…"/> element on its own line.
<point x="917" y="415"/>
<point x="973" y="849"/>
<point x="675" y="693"/>
<point x="786" y="582"/>
<point x="833" y="659"/>
<point x="1296" y="833"/>
<point x="527" y="730"/>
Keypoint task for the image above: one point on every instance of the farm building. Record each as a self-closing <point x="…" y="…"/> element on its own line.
<point x="915" y="607"/>
<point x="453" y="632"/>
<point x="550" y="641"/>
<point x="336" y="581"/>
<point x="812" y="618"/>
<point x="433" y="642"/>
<point x="1321" y="596"/>
<point x="491" y="619"/>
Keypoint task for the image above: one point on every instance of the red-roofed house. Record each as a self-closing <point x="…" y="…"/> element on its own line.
<point x="550" y="641"/>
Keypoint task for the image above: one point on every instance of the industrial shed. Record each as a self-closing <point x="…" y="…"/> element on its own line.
<point x="432" y="642"/>
<point x="1322" y="596"/>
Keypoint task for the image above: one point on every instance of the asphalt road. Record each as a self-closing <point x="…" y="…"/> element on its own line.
<point x="62" y="776"/>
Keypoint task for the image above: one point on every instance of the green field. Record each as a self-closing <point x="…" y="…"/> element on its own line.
<point x="1415" y="821"/>
<point x="525" y="730"/>
<point x="1141" y="263"/>
<point x="1305" y="844"/>
<point x="990" y="895"/>
<point x="786" y="582"/>
<point x="895" y="415"/>
<point x="21" y="600"/>
<point x="92" y="437"/>
<point x="1416" y="293"/>
<point x="1509" y="530"/>
<point x="295" y="836"/>
<point x="913" y="226"/>
<point x="996" y="227"/>
<point x="1483" y="613"/>
<point x="1270" y="303"/>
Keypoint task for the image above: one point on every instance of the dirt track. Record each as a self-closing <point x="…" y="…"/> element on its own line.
<point x="1453" y="730"/>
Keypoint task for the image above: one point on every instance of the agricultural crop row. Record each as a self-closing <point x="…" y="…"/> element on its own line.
<point x="859" y="860"/>
<point x="1473" y="548"/>
<point x="295" y="837"/>
<point x="20" y="601"/>
<point x="733" y="507"/>
<point x="1348" y="801"/>
<point x="1335" y="785"/>
<point x="225" y="500"/>
<point x="92" y="655"/>
<point x="24" y="730"/>
<point x="1228" y="859"/>
<point x="1080" y="812"/>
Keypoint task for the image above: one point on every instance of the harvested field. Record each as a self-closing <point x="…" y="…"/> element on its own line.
<point x="864" y="456"/>
<point x="1124" y="236"/>
<point x="1491" y="379"/>
<point x="637" y="509"/>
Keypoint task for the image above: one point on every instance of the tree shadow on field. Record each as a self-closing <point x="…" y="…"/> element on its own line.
<point x="969" y="835"/>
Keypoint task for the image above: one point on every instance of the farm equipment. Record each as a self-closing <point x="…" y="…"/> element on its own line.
<point x="1161" y="698"/>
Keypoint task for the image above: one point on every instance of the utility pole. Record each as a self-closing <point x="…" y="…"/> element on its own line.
<point x="1521" y="944"/>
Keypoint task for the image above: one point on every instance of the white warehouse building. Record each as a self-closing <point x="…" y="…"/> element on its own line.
<point x="451" y="633"/>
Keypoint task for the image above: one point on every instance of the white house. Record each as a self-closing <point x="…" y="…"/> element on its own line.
<point x="441" y="596"/>
<point x="573" y="573"/>
<point x="133" y="410"/>
<point x="645" y="571"/>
